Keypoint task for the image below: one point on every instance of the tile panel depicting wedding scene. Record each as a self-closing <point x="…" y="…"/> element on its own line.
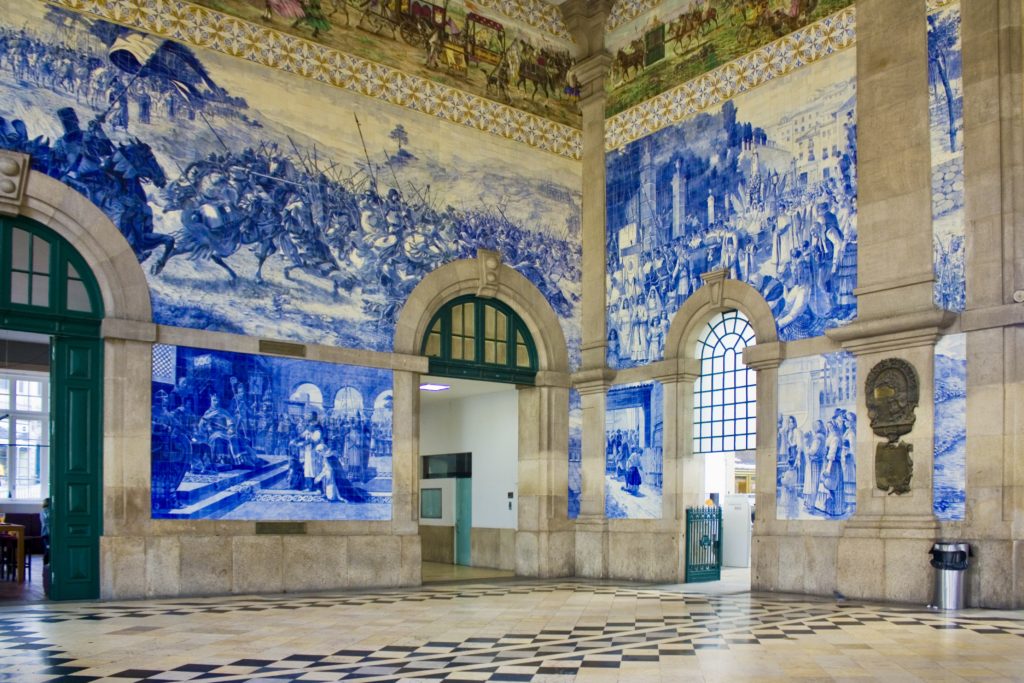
<point x="249" y="437"/>
<point x="764" y="186"/>
<point x="250" y="211"/>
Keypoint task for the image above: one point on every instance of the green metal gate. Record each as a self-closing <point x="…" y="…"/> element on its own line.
<point x="703" y="544"/>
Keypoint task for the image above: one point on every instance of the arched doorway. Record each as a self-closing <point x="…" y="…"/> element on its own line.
<point x="542" y="544"/>
<point x="46" y="288"/>
<point x="478" y="349"/>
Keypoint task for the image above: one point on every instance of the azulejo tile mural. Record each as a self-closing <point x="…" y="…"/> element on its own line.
<point x="949" y="481"/>
<point x="254" y="213"/>
<point x="764" y="187"/>
<point x="679" y="40"/>
<point x="519" y="57"/>
<point x="240" y="436"/>
<point x="816" y="474"/>
<point x="575" y="452"/>
<point x="946" y="116"/>
<point x="634" y="441"/>
<point x="299" y="54"/>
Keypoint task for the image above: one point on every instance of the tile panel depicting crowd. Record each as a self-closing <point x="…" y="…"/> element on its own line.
<point x="250" y="211"/>
<point x="816" y="475"/>
<point x="764" y="186"/>
<point x="249" y="437"/>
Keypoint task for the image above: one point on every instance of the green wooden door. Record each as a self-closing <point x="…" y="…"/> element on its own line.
<point x="76" y="486"/>
<point x="463" y="520"/>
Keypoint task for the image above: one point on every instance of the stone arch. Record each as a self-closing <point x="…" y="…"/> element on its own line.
<point x="118" y="273"/>
<point x="719" y="293"/>
<point x="484" y="276"/>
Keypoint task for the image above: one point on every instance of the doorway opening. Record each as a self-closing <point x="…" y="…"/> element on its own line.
<point x="51" y="413"/>
<point x="479" y="350"/>
<point x="24" y="462"/>
<point x="725" y="434"/>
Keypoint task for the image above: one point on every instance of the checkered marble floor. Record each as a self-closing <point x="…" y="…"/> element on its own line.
<point x="506" y="631"/>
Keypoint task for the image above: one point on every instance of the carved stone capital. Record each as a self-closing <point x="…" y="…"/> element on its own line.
<point x="591" y="73"/>
<point x="14" y="168"/>
<point x="593" y="381"/>
<point x="764" y="356"/>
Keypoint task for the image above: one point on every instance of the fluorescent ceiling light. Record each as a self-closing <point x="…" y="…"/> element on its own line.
<point x="434" y="387"/>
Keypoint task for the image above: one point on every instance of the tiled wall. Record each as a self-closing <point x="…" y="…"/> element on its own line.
<point x="634" y="443"/>
<point x="950" y="465"/>
<point x="240" y="436"/>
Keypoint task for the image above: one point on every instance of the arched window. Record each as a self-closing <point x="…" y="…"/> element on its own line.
<point x="481" y="339"/>
<point x="43" y="274"/>
<point x="725" y="396"/>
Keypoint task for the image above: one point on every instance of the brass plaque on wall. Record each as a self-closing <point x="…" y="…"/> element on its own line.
<point x="893" y="467"/>
<point x="282" y="348"/>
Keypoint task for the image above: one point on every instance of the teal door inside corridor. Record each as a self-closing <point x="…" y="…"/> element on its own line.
<point x="463" y="520"/>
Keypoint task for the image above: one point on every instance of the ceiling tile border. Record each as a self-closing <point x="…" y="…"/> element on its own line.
<point x="627" y="10"/>
<point x="206" y="28"/>
<point x="535" y="13"/>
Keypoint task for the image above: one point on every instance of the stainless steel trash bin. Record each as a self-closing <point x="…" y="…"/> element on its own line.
<point x="950" y="560"/>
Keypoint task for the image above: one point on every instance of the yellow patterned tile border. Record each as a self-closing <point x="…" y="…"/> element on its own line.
<point x="802" y="47"/>
<point x="206" y="28"/>
<point x="627" y="10"/>
<point x="939" y="4"/>
<point x="536" y="13"/>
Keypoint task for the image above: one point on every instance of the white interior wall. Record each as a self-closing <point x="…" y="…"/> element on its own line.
<point x="486" y="425"/>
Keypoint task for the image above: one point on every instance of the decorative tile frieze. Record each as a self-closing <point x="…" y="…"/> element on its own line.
<point x="206" y="28"/>
<point x="535" y="13"/>
<point x="627" y="10"/>
<point x="802" y="47"/>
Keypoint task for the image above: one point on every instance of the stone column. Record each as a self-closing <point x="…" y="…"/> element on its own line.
<point x="586" y="21"/>
<point x="765" y="552"/>
<point x="405" y="482"/>
<point x="883" y="551"/>
<point x="993" y="66"/>
<point x="544" y="538"/>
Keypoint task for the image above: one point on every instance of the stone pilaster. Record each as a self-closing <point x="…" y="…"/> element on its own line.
<point x="993" y="64"/>
<point x="894" y="214"/>
<point x="586" y="21"/>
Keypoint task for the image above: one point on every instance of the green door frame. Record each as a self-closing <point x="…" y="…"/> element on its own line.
<point x="47" y="288"/>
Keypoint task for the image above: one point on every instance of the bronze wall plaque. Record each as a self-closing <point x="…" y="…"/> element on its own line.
<point x="893" y="467"/>
<point x="280" y="528"/>
<point x="892" y="394"/>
